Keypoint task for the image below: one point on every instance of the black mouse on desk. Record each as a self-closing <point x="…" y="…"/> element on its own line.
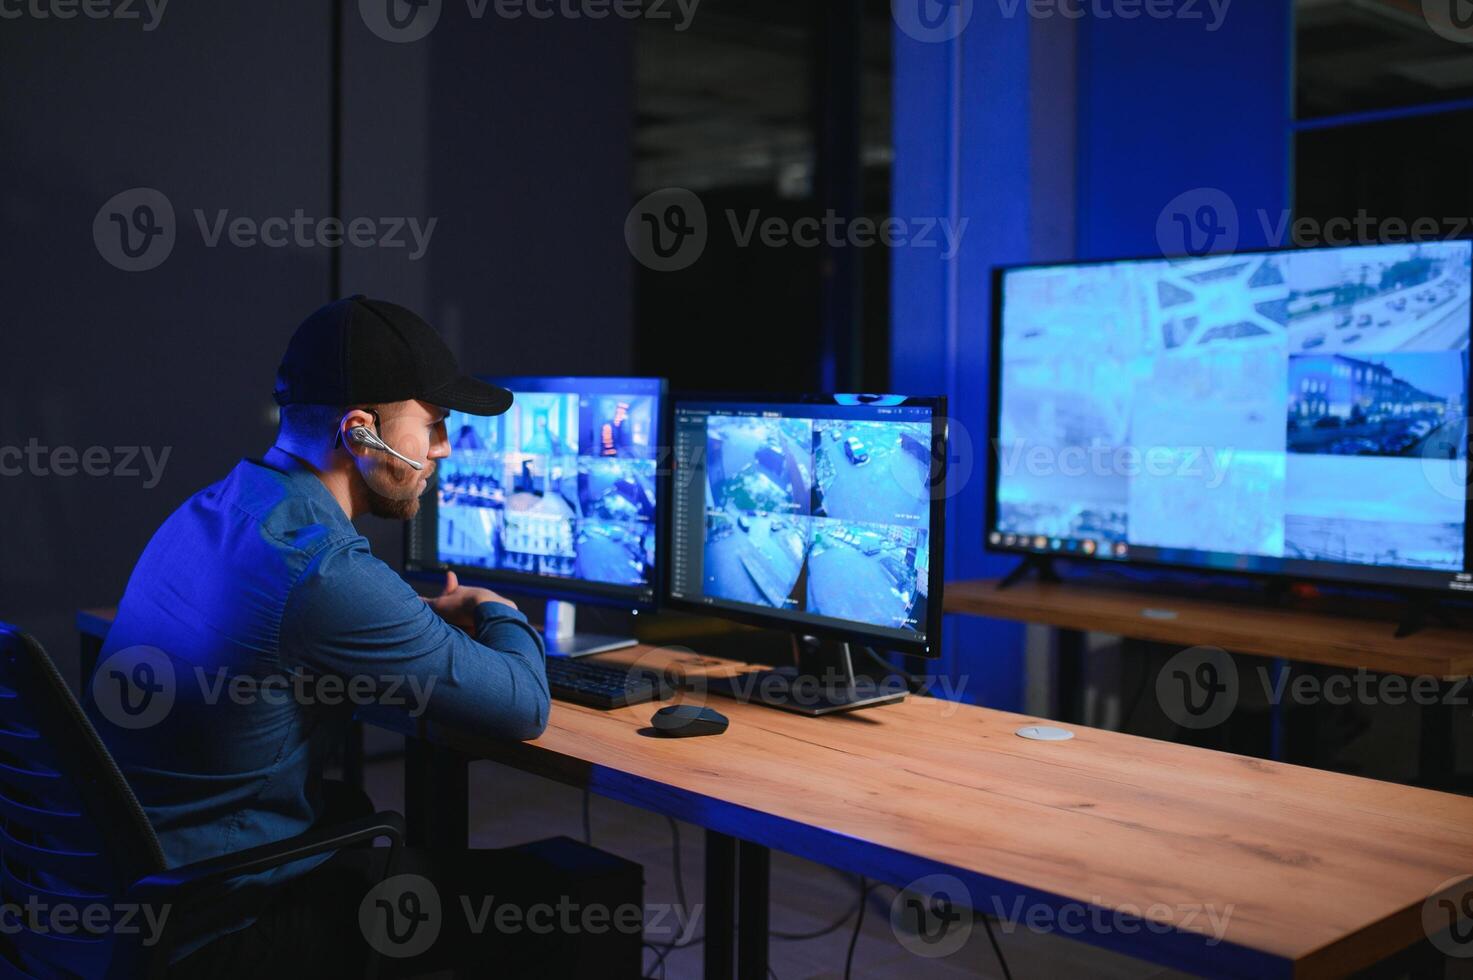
<point x="687" y="720"/>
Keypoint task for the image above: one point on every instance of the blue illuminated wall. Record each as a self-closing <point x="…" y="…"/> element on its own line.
<point x="1058" y="139"/>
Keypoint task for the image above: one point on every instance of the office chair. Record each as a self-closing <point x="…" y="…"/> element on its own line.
<point x="73" y="835"/>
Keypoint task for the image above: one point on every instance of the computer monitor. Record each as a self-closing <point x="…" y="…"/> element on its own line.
<point x="560" y="497"/>
<point x="819" y="515"/>
<point x="1299" y="413"/>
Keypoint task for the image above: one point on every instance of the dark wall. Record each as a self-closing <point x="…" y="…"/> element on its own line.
<point x="220" y="107"/>
<point x="513" y="135"/>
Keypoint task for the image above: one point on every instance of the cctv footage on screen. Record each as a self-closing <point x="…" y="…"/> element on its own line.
<point x="1241" y="410"/>
<point x="562" y="485"/>
<point x="805" y="512"/>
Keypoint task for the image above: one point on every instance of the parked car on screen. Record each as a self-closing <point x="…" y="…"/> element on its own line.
<point x="856" y="451"/>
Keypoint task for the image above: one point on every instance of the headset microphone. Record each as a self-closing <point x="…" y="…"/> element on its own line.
<point x="364" y="436"/>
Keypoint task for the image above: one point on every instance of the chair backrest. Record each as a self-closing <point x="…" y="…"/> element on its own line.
<point x="72" y="834"/>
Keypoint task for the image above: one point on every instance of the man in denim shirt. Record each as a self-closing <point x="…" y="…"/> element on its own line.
<point x="262" y="578"/>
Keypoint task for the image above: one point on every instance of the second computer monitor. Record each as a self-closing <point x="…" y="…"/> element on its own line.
<point x="819" y="514"/>
<point x="558" y="497"/>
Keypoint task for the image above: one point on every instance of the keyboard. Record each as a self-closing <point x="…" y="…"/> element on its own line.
<point x="601" y="685"/>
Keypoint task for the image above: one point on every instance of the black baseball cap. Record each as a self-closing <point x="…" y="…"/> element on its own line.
<point x="360" y="351"/>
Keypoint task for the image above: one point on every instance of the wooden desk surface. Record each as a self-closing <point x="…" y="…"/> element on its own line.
<point x="1294" y="634"/>
<point x="1308" y="873"/>
<point x="1300" y="872"/>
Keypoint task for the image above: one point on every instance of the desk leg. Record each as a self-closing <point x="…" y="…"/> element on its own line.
<point x="436" y="796"/>
<point x="91" y="650"/>
<point x="1069" y="676"/>
<point x="1437" y="757"/>
<point x="353" y="755"/>
<point x="754" y="865"/>
<point x="1278" y="732"/>
<point x="721" y="885"/>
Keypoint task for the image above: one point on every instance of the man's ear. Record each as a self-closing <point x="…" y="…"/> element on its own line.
<point x="351" y="420"/>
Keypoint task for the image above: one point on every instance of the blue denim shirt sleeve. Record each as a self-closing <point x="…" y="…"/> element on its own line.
<point x="351" y="615"/>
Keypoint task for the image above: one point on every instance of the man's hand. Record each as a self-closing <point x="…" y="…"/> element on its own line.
<point x="457" y="604"/>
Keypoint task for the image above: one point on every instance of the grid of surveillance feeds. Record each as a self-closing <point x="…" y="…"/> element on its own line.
<point x="562" y="485"/>
<point x="806" y="512"/>
<point x="1277" y="407"/>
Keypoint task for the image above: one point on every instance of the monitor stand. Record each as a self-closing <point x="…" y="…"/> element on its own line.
<point x="823" y="682"/>
<point x="564" y="640"/>
<point x="1043" y="564"/>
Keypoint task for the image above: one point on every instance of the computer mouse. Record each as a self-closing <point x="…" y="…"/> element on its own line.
<point x="686" y="720"/>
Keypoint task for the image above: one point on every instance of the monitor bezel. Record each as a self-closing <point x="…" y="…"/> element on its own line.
<point x="605" y="595"/>
<point x="1432" y="581"/>
<point x="930" y="647"/>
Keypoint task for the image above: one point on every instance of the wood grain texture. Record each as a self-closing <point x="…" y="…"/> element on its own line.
<point x="1294" y="634"/>
<point x="1308" y="873"/>
<point x="1216" y="863"/>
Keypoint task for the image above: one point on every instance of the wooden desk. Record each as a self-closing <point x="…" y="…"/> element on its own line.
<point x="1358" y="638"/>
<point x="1314" y="873"/>
<point x="1300" y="634"/>
<point x="1308" y="873"/>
